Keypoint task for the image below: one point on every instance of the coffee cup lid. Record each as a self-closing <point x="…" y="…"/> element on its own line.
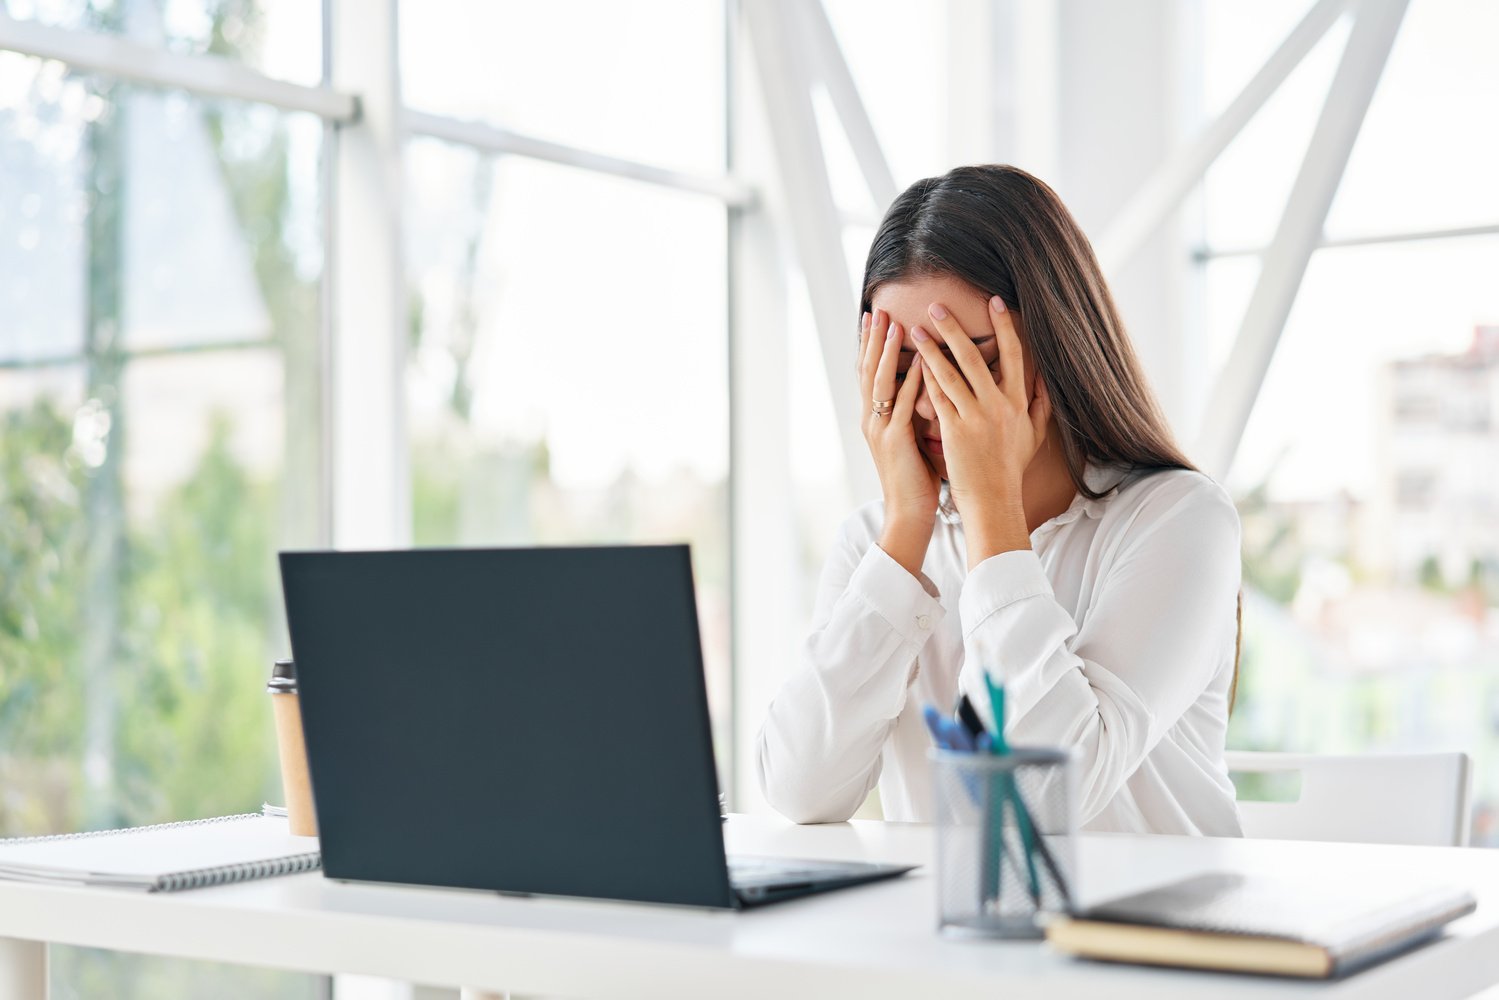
<point x="283" y="676"/>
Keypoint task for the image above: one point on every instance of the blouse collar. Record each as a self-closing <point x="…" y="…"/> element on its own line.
<point x="1099" y="478"/>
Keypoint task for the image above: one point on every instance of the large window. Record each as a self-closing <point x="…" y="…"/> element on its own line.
<point x="1370" y="552"/>
<point x="160" y="401"/>
<point x="183" y="391"/>
<point x="282" y="38"/>
<point x="568" y="376"/>
<point x="641" y="80"/>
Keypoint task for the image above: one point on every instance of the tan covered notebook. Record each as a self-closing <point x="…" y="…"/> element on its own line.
<point x="1252" y="924"/>
<point x="164" y="857"/>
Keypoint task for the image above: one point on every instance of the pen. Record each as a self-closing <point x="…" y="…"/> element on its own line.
<point x="942" y="730"/>
<point x="1010" y="792"/>
<point x="969" y="717"/>
<point x="946" y="733"/>
<point x="997" y="705"/>
<point x="951" y="735"/>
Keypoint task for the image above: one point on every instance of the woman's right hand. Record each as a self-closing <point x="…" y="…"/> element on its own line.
<point x="910" y="485"/>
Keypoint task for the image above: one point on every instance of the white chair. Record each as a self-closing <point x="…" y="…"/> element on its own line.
<point x="1420" y="798"/>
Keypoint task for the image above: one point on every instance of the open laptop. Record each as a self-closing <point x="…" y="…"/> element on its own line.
<point x="520" y="720"/>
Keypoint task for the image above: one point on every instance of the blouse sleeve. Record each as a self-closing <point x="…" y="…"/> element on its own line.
<point x="818" y="753"/>
<point x="1154" y="638"/>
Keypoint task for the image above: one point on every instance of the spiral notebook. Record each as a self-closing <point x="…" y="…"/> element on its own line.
<point x="165" y="857"/>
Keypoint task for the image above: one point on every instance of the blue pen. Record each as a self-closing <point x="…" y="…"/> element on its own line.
<point x="946" y="733"/>
<point x="933" y="720"/>
<point x="960" y="738"/>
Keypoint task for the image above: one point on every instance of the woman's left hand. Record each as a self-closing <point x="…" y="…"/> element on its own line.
<point x="991" y="426"/>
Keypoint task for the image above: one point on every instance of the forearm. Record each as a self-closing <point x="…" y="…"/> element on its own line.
<point x="1056" y="698"/>
<point x="905" y="540"/>
<point x="817" y="758"/>
<point x="996" y="527"/>
<point x="1159" y="627"/>
<point x="819" y="751"/>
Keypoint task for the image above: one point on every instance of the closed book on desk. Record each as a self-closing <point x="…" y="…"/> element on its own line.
<point x="1238" y="923"/>
<point x="165" y="857"/>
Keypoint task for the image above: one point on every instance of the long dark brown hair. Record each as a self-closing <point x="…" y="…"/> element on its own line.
<point x="1007" y="233"/>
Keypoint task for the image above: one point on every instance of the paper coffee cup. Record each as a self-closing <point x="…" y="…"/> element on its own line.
<point x="287" y="707"/>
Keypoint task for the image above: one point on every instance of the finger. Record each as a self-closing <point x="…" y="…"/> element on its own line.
<point x="940" y="372"/>
<point x="870" y="336"/>
<point x="884" y="373"/>
<point x="941" y="401"/>
<point x="1011" y="358"/>
<point x="970" y="359"/>
<point x="864" y="325"/>
<point x="905" y="399"/>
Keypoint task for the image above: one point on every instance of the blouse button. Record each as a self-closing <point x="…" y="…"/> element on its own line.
<point x="923" y="621"/>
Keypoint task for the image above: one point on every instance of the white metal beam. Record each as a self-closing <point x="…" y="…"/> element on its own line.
<point x="1375" y="26"/>
<point x="1037" y="49"/>
<point x="201" y="75"/>
<point x="979" y="96"/>
<point x="1373" y="239"/>
<point x="366" y="283"/>
<point x="1158" y="197"/>
<point x="23" y="969"/>
<point x="816" y="230"/>
<point x="826" y="65"/>
<point x="493" y="139"/>
<point x="767" y="606"/>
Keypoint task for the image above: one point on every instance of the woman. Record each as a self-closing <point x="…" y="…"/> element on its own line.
<point x="1037" y="522"/>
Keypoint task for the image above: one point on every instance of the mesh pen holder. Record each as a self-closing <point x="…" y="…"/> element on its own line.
<point x="1005" y="825"/>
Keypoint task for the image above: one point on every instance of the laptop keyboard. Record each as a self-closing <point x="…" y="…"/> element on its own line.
<point x="744" y="871"/>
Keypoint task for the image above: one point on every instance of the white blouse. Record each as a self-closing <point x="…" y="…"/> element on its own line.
<point x="1114" y="635"/>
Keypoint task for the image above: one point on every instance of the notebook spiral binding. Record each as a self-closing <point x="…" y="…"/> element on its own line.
<point x="223" y="874"/>
<point x="200" y="877"/>
<point x="129" y="829"/>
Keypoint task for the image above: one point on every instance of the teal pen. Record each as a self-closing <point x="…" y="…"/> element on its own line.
<point x="1010" y="792"/>
<point x="997" y="704"/>
<point x="994" y="845"/>
<point x="994" y="819"/>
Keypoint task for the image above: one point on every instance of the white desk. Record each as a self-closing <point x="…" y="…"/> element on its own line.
<point x="874" y="941"/>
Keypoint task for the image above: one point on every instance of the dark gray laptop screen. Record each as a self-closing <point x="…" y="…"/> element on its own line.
<point x="526" y="720"/>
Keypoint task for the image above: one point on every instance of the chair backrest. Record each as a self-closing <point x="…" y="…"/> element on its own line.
<point x="1422" y="798"/>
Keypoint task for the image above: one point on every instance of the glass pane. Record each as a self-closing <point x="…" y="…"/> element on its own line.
<point x="642" y="80"/>
<point x="280" y="38"/>
<point x="568" y="378"/>
<point x="160" y="271"/>
<point x="900" y="100"/>
<point x="1237" y="39"/>
<point x="1426" y="154"/>
<point x="1368" y="495"/>
<point x="1245" y="189"/>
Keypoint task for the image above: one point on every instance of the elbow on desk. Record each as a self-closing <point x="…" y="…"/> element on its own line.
<point x="806" y="810"/>
<point x="790" y="793"/>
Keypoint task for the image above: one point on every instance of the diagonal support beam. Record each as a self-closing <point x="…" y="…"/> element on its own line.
<point x="816" y="227"/>
<point x="828" y="66"/>
<point x="1376" y="24"/>
<point x="1163" y="193"/>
